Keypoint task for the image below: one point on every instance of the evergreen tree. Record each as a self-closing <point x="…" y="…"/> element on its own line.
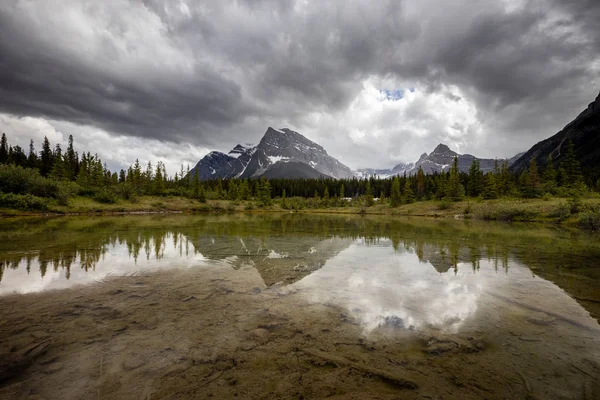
<point x="326" y="197"/>
<point x="283" y="200"/>
<point x="395" y="196"/>
<point x="369" y="194"/>
<point x="475" y="184"/>
<point x="455" y="191"/>
<point x="532" y="183"/>
<point x="342" y="191"/>
<point x="264" y="192"/>
<point x="420" y="183"/>
<point x="201" y="192"/>
<point x="244" y="190"/>
<point x="122" y="177"/>
<point x="219" y="189"/>
<point x="409" y="195"/>
<point x="159" y="183"/>
<point x="46" y="158"/>
<point x="72" y="160"/>
<point x="549" y="176"/>
<point x="490" y="190"/>
<point x="572" y="168"/>
<point x="3" y="150"/>
<point x="196" y="185"/>
<point x="17" y="156"/>
<point x="232" y="193"/>
<point x="32" y="158"/>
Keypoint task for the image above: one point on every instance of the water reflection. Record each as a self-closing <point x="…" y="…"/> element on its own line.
<point x="401" y="272"/>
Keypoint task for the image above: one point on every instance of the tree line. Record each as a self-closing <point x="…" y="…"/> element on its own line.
<point x="58" y="174"/>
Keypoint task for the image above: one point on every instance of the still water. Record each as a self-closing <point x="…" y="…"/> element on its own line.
<point x="299" y="306"/>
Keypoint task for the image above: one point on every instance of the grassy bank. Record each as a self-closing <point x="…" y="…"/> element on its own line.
<point x="571" y="212"/>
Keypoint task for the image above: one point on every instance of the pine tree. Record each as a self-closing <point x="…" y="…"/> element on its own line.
<point x="490" y="190"/>
<point x="201" y="193"/>
<point x="475" y="184"/>
<point x="196" y="186"/>
<point x="420" y="183"/>
<point x="72" y="160"/>
<point x="572" y="168"/>
<point x="32" y="158"/>
<point x="3" y="150"/>
<point x="244" y="190"/>
<point x="342" y="190"/>
<point x="159" y="183"/>
<point x="409" y="195"/>
<point x="533" y="185"/>
<point x="283" y="200"/>
<point x="455" y="191"/>
<point x="122" y="177"/>
<point x="46" y="158"/>
<point x="264" y="192"/>
<point x="232" y="193"/>
<point x="395" y="196"/>
<point x="369" y="194"/>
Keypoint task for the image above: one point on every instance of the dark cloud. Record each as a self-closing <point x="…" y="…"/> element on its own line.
<point x="217" y="73"/>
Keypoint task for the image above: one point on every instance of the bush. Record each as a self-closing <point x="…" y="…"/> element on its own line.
<point x="575" y="204"/>
<point x="590" y="220"/>
<point x="65" y="191"/>
<point x="504" y="212"/>
<point x="126" y="191"/>
<point x="444" y="205"/>
<point x="562" y="212"/>
<point x="105" y="196"/>
<point x="19" y="180"/>
<point x="23" y="201"/>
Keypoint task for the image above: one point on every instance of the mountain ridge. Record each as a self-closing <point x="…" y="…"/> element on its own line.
<point x="285" y="149"/>
<point x="583" y="131"/>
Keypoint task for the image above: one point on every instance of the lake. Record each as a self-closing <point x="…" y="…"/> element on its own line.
<point x="296" y="306"/>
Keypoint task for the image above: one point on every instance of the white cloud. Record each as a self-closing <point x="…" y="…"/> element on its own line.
<point x="117" y="151"/>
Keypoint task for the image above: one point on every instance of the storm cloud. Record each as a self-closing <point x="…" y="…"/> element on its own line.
<point x="485" y="77"/>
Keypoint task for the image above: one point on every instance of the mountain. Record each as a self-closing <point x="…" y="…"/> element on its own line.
<point x="440" y="160"/>
<point x="280" y="153"/>
<point x="583" y="131"/>
<point x="214" y="165"/>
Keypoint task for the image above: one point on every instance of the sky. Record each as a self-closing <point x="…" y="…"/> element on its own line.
<point x="374" y="82"/>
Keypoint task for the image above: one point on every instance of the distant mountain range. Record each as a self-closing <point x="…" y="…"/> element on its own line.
<point x="440" y="160"/>
<point x="283" y="153"/>
<point x="583" y="131"/>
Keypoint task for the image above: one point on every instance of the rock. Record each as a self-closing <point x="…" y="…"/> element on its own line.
<point x="261" y="335"/>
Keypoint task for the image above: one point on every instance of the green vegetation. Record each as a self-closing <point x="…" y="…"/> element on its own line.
<point x="63" y="182"/>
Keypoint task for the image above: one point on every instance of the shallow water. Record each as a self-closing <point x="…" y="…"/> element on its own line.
<point x="313" y="306"/>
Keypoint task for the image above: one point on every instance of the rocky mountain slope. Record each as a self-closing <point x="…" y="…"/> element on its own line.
<point x="583" y="131"/>
<point x="280" y="153"/>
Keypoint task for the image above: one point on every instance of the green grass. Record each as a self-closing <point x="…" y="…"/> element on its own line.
<point x="548" y="210"/>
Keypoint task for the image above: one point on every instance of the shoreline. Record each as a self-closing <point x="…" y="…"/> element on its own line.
<point x="554" y="211"/>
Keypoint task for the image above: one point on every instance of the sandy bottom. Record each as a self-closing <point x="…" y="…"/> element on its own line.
<point x="219" y="332"/>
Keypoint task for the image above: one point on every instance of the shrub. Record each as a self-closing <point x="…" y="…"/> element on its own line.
<point x="562" y="212"/>
<point x="19" y="180"/>
<point x="444" y="205"/>
<point x="546" y="197"/>
<point x="23" y="201"/>
<point x="105" y="196"/>
<point x="590" y="220"/>
<point x="575" y="204"/>
<point x="126" y="191"/>
<point x="504" y="212"/>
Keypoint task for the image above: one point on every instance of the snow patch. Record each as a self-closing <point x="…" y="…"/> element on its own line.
<point x="274" y="159"/>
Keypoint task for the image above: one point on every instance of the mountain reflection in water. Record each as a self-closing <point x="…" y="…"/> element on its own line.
<point x="401" y="272"/>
